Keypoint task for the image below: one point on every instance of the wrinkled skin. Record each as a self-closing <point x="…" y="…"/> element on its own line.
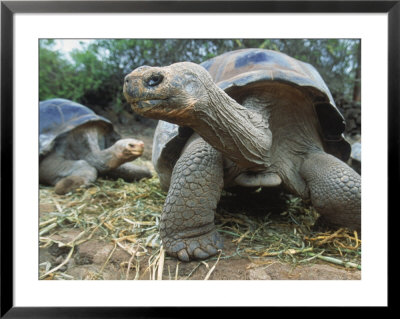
<point x="77" y="160"/>
<point x="272" y="139"/>
<point x="187" y="223"/>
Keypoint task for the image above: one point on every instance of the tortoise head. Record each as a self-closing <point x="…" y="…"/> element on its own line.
<point x="168" y="93"/>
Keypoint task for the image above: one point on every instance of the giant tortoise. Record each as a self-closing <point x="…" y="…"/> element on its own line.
<point x="251" y="118"/>
<point x="75" y="145"/>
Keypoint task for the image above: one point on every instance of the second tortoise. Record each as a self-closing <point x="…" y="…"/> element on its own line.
<point x="76" y="145"/>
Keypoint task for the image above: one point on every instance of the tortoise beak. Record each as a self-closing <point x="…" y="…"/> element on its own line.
<point x="131" y="88"/>
<point x="141" y="88"/>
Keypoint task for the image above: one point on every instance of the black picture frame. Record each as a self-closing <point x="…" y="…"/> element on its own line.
<point x="9" y="8"/>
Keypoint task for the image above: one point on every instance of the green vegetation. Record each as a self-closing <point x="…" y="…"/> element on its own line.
<point x="93" y="74"/>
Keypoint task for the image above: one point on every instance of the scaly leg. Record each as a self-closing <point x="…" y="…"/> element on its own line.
<point x="187" y="223"/>
<point x="335" y="189"/>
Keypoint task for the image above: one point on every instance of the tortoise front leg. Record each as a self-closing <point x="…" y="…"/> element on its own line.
<point x="187" y="222"/>
<point x="335" y="189"/>
<point x="65" y="175"/>
<point x="129" y="172"/>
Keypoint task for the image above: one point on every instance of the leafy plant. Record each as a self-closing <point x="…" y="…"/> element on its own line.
<point x="93" y="75"/>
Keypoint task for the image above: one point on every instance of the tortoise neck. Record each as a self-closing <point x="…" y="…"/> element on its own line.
<point x="239" y="133"/>
<point x="104" y="160"/>
<point x="83" y="143"/>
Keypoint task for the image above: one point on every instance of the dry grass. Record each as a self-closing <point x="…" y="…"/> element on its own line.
<point x="289" y="232"/>
<point x="128" y="214"/>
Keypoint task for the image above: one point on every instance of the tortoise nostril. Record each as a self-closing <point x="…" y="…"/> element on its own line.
<point x="155" y="80"/>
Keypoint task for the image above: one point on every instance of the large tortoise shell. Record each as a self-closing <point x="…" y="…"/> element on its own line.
<point x="59" y="116"/>
<point x="241" y="70"/>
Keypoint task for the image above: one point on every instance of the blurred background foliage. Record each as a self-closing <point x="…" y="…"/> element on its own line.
<point x="93" y="73"/>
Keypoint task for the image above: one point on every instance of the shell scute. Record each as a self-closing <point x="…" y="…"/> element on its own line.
<point x="259" y="57"/>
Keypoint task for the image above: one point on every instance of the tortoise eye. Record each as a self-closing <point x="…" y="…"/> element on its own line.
<point x="155" y="80"/>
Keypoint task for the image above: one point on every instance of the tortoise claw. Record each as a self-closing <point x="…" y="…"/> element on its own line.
<point x="211" y="250"/>
<point x="200" y="254"/>
<point x="183" y="255"/>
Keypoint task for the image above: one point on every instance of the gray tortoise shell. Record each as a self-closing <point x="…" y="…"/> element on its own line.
<point x="235" y="70"/>
<point x="59" y="116"/>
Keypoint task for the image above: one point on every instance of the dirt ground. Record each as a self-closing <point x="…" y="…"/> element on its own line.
<point x="92" y="262"/>
<point x="101" y="259"/>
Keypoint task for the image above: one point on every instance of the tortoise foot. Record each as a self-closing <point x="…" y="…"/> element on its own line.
<point x="68" y="184"/>
<point x="194" y="248"/>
